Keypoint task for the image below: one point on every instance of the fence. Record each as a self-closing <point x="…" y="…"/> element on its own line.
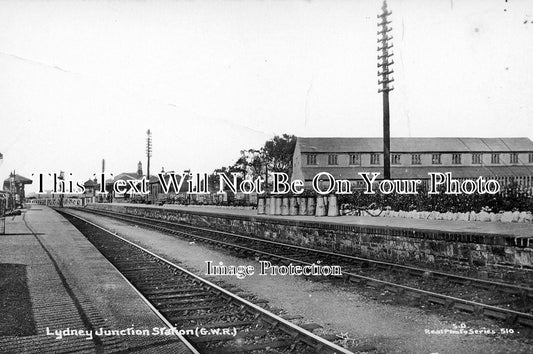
<point x="57" y="202"/>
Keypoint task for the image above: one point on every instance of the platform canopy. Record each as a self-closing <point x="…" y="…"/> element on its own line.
<point x="18" y="179"/>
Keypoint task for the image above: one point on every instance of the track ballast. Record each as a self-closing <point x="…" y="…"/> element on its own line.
<point x="212" y="318"/>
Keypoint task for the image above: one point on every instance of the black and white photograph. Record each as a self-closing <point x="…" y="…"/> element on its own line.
<point x="266" y="176"/>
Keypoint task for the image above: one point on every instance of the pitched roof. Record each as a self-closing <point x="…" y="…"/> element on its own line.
<point x="19" y="179"/>
<point x="347" y="145"/>
<point x="407" y="172"/>
<point x="126" y="176"/>
<point x="133" y="175"/>
<point x="90" y="183"/>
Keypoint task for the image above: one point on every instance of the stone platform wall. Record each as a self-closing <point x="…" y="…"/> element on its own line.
<point x="495" y="256"/>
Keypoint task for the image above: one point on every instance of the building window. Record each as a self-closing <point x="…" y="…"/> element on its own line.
<point x="435" y="159"/>
<point x="395" y="159"/>
<point x="513" y="157"/>
<point x="332" y="159"/>
<point x="476" y="158"/>
<point x="415" y="159"/>
<point x="374" y="159"/>
<point x="495" y="158"/>
<point x="355" y="159"/>
<point x="531" y="157"/>
<point x="456" y="159"/>
<point x="311" y="159"/>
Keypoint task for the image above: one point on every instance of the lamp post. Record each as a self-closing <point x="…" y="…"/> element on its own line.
<point x="264" y="157"/>
<point x="62" y="195"/>
<point x="13" y="190"/>
<point x="188" y="197"/>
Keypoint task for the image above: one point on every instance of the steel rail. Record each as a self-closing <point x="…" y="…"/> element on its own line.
<point x="522" y="318"/>
<point x="304" y="335"/>
<point x="518" y="288"/>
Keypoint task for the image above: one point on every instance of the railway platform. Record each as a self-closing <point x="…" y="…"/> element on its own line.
<point x="479" y="249"/>
<point x="496" y="228"/>
<point x="59" y="294"/>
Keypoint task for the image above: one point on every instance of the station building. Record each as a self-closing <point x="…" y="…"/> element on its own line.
<point x="131" y="176"/>
<point x="503" y="159"/>
<point x="14" y="185"/>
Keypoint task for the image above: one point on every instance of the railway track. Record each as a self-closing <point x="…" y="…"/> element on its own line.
<point x="506" y="302"/>
<point x="211" y="318"/>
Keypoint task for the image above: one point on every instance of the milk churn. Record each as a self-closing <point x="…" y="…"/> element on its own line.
<point x="293" y="206"/>
<point x="311" y="206"/>
<point x="302" y="210"/>
<point x="285" y="206"/>
<point x="320" y="207"/>
<point x="333" y="208"/>
<point x="260" y="205"/>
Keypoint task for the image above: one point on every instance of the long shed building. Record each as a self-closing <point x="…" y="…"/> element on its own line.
<point x="504" y="159"/>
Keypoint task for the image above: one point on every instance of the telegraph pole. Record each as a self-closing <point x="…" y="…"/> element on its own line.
<point x="104" y="187"/>
<point x="148" y="155"/>
<point x="384" y="79"/>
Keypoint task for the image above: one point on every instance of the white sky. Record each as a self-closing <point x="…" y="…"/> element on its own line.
<point x="81" y="81"/>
